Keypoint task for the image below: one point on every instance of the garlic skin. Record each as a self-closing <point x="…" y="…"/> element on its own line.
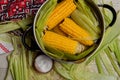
<point x="43" y="64"/>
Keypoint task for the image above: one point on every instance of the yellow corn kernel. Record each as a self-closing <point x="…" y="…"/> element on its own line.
<point x="59" y="31"/>
<point x="76" y="32"/>
<point x="60" y="42"/>
<point x="62" y="10"/>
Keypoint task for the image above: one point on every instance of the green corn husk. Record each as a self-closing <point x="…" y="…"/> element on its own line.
<point x="52" y="75"/>
<point x="107" y="64"/>
<point x="110" y="34"/>
<point x="55" y="53"/>
<point x="116" y="67"/>
<point x="14" y="25"/>
<point x="99" y="64"/>
<point x="86" y="23"/>
<point x="25" y="22"/>
<point x="8" y="26"/>
<point x="80" y="72"/>
<point x="83" y="7"/>
<point x="115" y="47"/>
<point x="44" y="14"/>
<point x="104" y="65"/>
<point x="39" y="39"/>
<point x="62" y="71"/>
<point x="17" y="61"/>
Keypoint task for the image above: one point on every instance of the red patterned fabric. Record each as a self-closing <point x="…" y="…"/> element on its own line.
<point x="18" y="9"/>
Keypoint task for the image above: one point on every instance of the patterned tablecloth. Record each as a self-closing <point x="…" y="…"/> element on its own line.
<point x="17" y="9"/>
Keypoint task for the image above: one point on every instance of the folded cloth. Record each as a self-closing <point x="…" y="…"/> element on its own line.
<point x="5" y="47"/>
<point x="5" y="43"/>
<point x="18" y="9"/>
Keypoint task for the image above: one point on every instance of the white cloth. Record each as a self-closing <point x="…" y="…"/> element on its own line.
<point x="5" y="43"/>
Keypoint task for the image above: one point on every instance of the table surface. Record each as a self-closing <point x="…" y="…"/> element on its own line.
<point x="3" y="60"/>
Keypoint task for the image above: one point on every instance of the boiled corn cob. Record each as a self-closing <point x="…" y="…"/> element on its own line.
<point x="62" y="43"/>
<point x="59" y="31"/>
<point x="62" y="10"/>
<point x="76" y="32"/>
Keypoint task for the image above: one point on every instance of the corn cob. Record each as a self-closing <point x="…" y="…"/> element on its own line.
<point x="62" y="10"/>
<point x="76" y="32"/>
<point x="59" y="31"/>
<point x="62" y="43"/>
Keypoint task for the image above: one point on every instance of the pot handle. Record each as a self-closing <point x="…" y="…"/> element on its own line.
<point x="34" y="46"/>
<point x="113" y="12"/>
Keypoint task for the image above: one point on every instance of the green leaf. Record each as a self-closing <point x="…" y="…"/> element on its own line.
<point x="110" y="34"/>
<point x="62" y="71"/>
<point x="8" y="26"/>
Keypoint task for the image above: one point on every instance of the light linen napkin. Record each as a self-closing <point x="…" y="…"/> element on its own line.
<point x="5" y="43"/>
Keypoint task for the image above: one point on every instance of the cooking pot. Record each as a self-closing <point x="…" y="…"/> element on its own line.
<point x="35" y="46"/>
